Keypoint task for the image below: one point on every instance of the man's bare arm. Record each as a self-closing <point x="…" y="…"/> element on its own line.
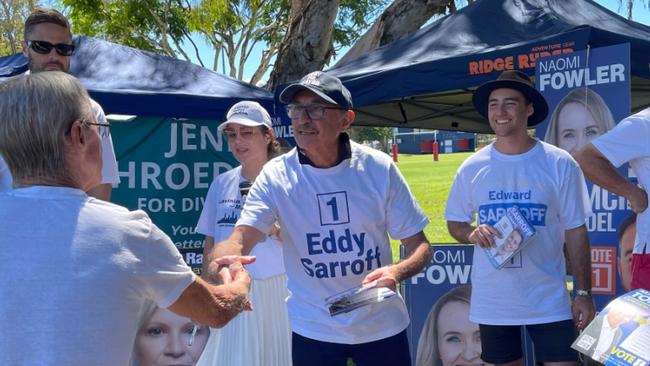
<point x="579" y="252"/>
<point x="600" y="171"/>
<point x="208" y="244"/>
<point x="418" y="254"/>
<point x="215" y="305"/>
<point x="240" y="242"/>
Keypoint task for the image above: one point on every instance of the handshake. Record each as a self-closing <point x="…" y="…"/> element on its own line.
<point x="230" y="269"/>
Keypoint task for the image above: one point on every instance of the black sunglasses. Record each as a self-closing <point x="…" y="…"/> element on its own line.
<point x="45" y="48"/>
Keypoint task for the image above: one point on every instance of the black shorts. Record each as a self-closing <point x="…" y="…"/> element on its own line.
<point x="551" y="342"/>
<point x="390" y="351"/>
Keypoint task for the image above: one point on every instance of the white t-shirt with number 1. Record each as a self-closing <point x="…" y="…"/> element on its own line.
<point x="335" y="224"/>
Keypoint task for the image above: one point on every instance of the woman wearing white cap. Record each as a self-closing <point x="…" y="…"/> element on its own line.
<point x="261" y="337"/>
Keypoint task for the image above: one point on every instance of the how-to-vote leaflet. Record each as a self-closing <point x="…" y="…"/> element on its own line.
<point x="620" y="334"/>
<point x="357" y="297"/>
<point x="588" y="92"/>
<point x="516" y="232"/>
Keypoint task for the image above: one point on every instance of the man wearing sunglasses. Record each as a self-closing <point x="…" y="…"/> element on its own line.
<point x="337" y="203"/>
<point x="48" y="47"/>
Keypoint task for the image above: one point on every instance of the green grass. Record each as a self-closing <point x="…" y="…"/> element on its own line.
<point x="430" y="182"/>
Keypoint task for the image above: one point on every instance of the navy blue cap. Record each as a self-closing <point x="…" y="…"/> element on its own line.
<point x="325" y="86"/>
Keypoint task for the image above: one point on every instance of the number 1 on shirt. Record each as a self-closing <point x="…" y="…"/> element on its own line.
<point x="333" y="208"/>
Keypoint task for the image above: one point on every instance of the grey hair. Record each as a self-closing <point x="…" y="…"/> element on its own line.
<point x="37" y="111"/>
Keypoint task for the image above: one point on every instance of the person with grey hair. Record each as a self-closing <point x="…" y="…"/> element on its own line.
<point x="75" y="266"/>
<point x="337" y="202"/>
<point x="48" y="46"/>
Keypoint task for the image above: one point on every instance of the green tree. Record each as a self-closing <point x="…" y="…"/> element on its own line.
<point x="232" y="27"/>
<point x="297" y="36"/>
<point x="13" y="14"/>
<point x="152" y="25"/>
<point x="305" y="33"/>
<point x="370" y="134"/>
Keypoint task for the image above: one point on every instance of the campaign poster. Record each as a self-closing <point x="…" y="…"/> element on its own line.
<point x="282" y="126"/>
<point x="438" y="301"/>
<point x="588" y="92"/>
<point x="620" y="334"/>
<point x="166" y="166"/>
<point x="165" y="338"/>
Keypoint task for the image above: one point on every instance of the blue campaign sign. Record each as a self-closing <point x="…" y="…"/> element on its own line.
<point x="588" y="92"/>
<point x="282" y="124"/>
<point x="449" y="268"/>
<point x="438" y="298"/>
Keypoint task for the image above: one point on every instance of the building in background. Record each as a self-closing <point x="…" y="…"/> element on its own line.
<point x="420" y="141"/>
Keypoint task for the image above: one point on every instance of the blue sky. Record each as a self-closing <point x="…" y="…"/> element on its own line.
<point x="640" y="14"/>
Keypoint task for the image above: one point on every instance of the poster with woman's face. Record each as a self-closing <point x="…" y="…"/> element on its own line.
<point x="438" y="301"/>
<point x="588" y="92"/>
<point x="165" y="338"/>
<point x="457" y="340"/>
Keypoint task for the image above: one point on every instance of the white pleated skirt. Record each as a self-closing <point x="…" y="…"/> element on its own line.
<point x="261" y="337"/>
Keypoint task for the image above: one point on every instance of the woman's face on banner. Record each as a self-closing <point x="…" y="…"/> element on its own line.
<point x="576" y="127"/>
<point x="164" y="340"/>
<point x="459" y="340"/>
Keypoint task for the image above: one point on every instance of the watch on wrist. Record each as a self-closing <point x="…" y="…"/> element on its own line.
<point x="580" y="292"/>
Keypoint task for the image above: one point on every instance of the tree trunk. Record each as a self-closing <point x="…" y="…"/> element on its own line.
<point x="402" y="17"/>
<point x="307" y="44"/>
<point x="630" y="5"/>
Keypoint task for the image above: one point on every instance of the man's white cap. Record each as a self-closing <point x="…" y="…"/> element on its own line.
<point x="247" y="113"/>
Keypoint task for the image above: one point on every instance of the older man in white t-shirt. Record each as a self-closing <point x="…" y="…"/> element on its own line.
<point x="337" y="202"/>
<point x="77" y="271"/>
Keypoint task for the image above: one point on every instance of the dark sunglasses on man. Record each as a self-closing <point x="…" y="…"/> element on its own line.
<point x="45" y="48"/>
